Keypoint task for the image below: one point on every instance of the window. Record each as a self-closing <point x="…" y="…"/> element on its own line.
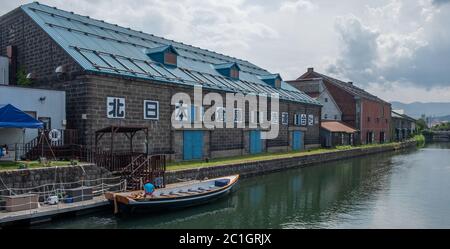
<point x="303" y="119"/>
<point x="220" y="114"/>
<point x="310" y="120"/>
<point x="234" y="73"/>
<point x="326" y="100"/>
<point x="237" y="115"/>
<point x="285" y="118"/>
<point x="170" y="58"/>
<point x="274" y="118"/>
<point x="325" y="116"/>
<point x="368" y="119"/>
<point x="296" y="119"/>
<point x="151" y="110"/>
<point x="115" y="107"/>
<point x="335" y="117"/>
<point x="181" y="112"/>
<point x="254" y="117"/>
<point x="33" y="114"/>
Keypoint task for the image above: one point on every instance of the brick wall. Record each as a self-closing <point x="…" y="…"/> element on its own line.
<point x="380" y="119"/>
<point x="36" y="51"/>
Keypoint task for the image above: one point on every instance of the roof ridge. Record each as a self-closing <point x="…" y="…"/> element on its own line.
<point x="227" y="57"/>
<point x="346" y="84"/>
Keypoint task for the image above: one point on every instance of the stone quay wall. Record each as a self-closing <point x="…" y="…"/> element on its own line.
<point x="32" y="179"/>
<point x="261" y="167"/>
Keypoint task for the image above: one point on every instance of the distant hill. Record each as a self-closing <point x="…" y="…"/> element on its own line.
<point x="416" y="109"/>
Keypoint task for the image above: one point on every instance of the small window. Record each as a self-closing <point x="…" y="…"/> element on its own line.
<point x="296" y="119"/>
<point x="274" y="118"/>
<point x="181" y="112"/>
<point x="234" y="73"/>
<point x="285" y="118"/>
<point x="310" y="119"/>
<point x="326" y="100"/>
<point x="237" y="115"/>
<point x="335" y="117"/>
<point x="170" y="58"/>
<point x="220" y="114"/>
<point x="303" y="119"/>
<point x="368" y="119"/>
<point x="325" y="116"/>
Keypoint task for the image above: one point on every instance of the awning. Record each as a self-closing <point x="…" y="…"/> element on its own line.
<point x="336" y="126"/>
<point x="12" y="117"/>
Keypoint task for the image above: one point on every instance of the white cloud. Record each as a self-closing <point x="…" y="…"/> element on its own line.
<point x="299" y="5"/>
<point x="376" y="44"/>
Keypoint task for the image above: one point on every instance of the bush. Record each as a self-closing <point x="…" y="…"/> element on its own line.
<point x="420" y="140"/>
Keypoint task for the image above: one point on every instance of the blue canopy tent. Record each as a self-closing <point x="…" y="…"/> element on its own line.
<point x="12" y="117"/>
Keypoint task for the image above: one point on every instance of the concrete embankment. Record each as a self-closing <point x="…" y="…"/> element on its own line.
<point x="266" y="166"/>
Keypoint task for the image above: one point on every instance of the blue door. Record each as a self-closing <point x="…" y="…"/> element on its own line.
<point x="297" y="140"/>
<point x="255" y="142"/>
<point x="193" y="145"/>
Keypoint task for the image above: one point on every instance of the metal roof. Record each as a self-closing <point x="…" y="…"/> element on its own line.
<point x="101" y="47"/>
<point x="395" y="114"/>
<point x="346" y="86"/>
<point x="336" y="126"/>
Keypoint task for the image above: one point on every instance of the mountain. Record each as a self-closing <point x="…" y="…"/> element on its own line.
<point x="416" y="109"/>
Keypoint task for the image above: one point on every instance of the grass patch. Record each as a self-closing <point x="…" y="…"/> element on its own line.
<point x="4" y="166"/>
<point x="262" y="157"/>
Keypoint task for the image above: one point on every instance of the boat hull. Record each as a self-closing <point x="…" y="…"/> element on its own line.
<point x="167" y="204"/>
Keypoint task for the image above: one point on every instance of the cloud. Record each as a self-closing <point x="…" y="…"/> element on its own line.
<point x="387" y="48"/>
<point x="393" y="44"/>
<point x="299" y="5"/>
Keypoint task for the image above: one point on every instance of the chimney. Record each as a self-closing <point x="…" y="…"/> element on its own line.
<point x="310" y="69"/>
<point x="11" y="52"/>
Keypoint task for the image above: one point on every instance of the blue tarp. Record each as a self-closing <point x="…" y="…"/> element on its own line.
<point x="12" y="117"/>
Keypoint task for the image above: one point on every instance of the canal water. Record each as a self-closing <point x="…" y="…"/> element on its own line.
<point x="408" y="189"/>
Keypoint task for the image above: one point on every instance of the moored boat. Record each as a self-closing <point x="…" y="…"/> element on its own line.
<point x="179" y="196"/>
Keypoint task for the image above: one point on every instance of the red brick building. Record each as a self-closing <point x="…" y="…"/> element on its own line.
<point x="367" y="113"/>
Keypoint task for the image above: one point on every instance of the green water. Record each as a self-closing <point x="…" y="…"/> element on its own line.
<point x="409" y="189"/>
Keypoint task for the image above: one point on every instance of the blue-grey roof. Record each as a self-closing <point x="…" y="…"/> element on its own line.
<point x="270" y="76"/>
<point x="98" y="46"/>
<point x="161" y="49"/>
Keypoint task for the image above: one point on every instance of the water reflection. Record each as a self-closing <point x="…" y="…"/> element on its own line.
<point x="398" y="189"/>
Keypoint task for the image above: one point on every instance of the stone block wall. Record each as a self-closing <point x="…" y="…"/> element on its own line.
<point x="31" y="179"/>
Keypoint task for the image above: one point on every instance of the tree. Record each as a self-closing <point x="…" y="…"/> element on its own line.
<point x="22" y="79"/>
<point x="421" y="124"/>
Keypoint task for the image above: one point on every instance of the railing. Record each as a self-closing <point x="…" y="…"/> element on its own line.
<point x="42" y="146"/>
<point x="146" y="168"/>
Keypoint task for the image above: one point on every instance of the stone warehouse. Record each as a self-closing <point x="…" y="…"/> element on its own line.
<point x="358" y="109"/>
<point x="115" y="76"/>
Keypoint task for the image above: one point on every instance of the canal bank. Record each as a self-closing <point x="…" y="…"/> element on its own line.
<point x="283" y="162"/>
<point x="33" y="178"/>
<point x="397" y="189"/>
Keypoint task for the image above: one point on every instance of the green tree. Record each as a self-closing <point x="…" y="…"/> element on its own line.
<point x="22" y="79"/>
<point x="421" y="124"/>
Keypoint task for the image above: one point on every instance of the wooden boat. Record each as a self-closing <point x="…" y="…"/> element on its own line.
<point x="178" y="196"/>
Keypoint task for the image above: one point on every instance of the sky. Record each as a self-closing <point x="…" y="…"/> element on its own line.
<point x="398" y="50"/>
